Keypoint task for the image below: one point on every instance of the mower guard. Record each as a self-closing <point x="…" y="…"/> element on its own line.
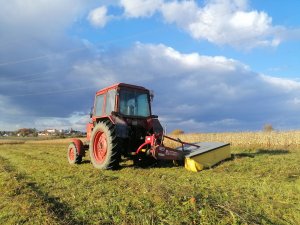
<point x="196" y="156"/>
<point x="206" y="155"/>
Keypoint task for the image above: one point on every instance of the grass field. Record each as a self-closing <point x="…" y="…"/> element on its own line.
<point x="259" y="185"/>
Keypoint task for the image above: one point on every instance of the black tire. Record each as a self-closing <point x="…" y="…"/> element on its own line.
<point x="104" y="147"/>
<point x="72" y="154"/>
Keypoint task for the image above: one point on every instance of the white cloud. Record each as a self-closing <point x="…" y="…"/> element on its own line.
<point x="88" y="72"/>
<point x="296" y="101"/>
<point x="282" y="83"/>
<point x="223" y="22"/>
<point x="36" y="19"/>
<point x="182" y="13"/>
<point x="140" y="8"/>
<point x="76" y="121"/>
<point x="98" y="17"/>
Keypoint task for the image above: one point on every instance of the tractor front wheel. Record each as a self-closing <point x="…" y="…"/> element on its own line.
<point x="104" y="150"/>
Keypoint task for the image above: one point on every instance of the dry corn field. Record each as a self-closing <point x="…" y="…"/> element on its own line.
<point x="274" y="139"/>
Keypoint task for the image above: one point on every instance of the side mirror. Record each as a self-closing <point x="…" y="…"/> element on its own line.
<point x="151" y="95"/>
<point x="91" y="112"/>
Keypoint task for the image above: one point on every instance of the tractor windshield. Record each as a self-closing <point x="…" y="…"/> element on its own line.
<point x="134" y="103"/>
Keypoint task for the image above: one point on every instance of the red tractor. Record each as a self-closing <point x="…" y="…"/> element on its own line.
<point x="122" y="124"/>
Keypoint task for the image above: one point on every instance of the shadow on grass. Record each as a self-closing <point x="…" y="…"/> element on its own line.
<point x="260" y="152"/>
<point x="170" y="164"/>
<point x="85" y="162"/>
<point x="12" y="143"/>
<point x="60" y="211"/>
<point x="123" y="164"/>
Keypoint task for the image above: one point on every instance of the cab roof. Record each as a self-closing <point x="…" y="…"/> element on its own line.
<point x="114" y="86"/>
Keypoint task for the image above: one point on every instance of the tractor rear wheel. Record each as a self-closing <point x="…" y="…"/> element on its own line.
<point x="73" y="154"/>
<point x="104" y="147"/>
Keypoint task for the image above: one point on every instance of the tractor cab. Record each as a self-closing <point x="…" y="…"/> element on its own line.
<point x="124" y="111"/>
<point x="122" y="99"/>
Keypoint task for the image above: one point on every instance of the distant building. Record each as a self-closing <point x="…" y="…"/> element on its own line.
<point x="51" y="131"/>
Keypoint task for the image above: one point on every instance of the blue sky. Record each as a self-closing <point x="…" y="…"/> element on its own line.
<point x="214" y="65"/>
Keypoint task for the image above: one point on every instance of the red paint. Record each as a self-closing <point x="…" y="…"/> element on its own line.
<point x="79" y="146"/>
<point x="166" y="153"/>
<point x="100" y="147"/>
<point x="104" y="90"/>
<point x="89" y="129"/>
<point x="71" y="154"/>
<point x="160" y="151"/>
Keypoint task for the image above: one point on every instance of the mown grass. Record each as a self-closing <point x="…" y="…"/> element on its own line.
<point x="257" y="186"/>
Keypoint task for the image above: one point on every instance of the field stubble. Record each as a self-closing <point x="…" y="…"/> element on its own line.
<point x="259" y="185"/>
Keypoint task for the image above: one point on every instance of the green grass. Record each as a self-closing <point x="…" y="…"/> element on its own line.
<point x="38" y="186"/>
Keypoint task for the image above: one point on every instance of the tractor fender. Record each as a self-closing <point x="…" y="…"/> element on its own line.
<point x="89" y="129"/>
<point x="79" y="145"/>
<point x="154" y="125"/>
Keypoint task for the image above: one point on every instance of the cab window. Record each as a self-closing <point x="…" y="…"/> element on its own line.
<point x="99" y="105"/>
<point x="134" y="103"/>
<point x="110" y="101"/>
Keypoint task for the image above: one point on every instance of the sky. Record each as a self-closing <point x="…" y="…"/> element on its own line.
<point x="214" y="65"/>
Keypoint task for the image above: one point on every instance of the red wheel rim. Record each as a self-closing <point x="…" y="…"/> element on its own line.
<point x="71" y="154"/>
<point x="100" y="147"/>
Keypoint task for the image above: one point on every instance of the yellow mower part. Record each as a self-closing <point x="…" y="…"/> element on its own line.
<point x="192" y="165"/>
<point x="208" y="155"/>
